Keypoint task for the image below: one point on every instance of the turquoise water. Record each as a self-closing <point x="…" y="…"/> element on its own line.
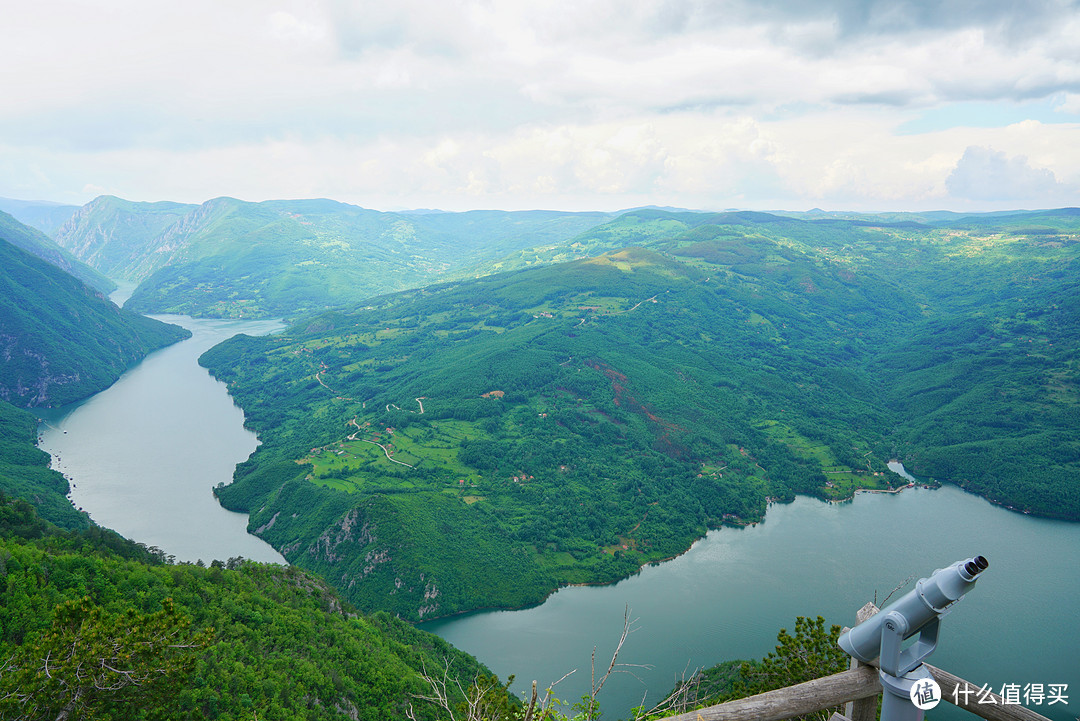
<point x="731" y="593"/>
<point x="144" y="455"/>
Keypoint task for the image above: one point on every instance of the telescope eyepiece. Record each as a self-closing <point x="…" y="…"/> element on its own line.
<point x="976" y="566"/>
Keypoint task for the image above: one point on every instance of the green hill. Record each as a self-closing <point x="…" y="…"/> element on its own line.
<point x="579" y="420"/>
<point x="59" y="340"/>
<point x="229" y="258"/>
<point x="476" y="444"/>
<point x="92" y="626"/>
<point x="37" y="244"/>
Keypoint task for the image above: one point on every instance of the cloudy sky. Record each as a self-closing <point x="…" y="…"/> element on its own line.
<point x="590" y="104"/>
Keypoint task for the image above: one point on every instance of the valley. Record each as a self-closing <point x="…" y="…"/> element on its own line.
<point x="470" y="439"/>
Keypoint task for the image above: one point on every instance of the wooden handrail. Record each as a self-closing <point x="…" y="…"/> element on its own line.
<point x="997" y="711"/>
<point x="804" y="698"/>
<point x="851" y="685"/>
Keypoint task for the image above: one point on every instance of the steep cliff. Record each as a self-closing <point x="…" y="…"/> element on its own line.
<point x="60" y="341"/>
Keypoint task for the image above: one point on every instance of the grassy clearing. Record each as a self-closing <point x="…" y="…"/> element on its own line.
<point x="361" y="463"/>
<point x="803" y="446"/>
<point x="842" y="480"/>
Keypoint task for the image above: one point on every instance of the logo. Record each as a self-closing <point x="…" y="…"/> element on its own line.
<point x="925" y="694"/>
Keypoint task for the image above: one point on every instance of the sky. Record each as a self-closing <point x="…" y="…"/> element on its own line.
<point x="864" y="105"/>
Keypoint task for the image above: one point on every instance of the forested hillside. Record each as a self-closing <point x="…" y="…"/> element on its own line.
<point x="578" y="420"/>
<point x="37" y="244"/>
<point x="92" y="626"/>
<point x="229" y="258"/>
<point x="59" y="340"/>
<point x="985" y="387"/>
<point x="25" y="472"/>
<point x="476" y="444"/>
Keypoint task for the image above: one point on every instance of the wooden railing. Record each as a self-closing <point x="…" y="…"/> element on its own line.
<point x="858" y="687"/>
<point x="858" y="684"/>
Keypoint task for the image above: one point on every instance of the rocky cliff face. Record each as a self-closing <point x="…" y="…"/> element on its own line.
<point x="34" y="384"/>
<point x="121" y="238"/>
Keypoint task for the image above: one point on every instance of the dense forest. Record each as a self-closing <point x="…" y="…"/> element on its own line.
<point x="92" y="626"/>
<point x="229" y="258"/>
<point x="60" y="341"/>
<point x="478" y="443"/>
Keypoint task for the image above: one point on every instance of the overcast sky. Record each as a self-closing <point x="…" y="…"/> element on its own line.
<point x="591" y="104"/>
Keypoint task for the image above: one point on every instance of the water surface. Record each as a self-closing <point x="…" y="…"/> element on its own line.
<point x="731" y="593"/>
<point x="144" y="455"/>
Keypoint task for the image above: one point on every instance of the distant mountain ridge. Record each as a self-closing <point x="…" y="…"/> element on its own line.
<point x="231" y="258"/>
<point x="117" y="237"/>
<point x="36" y="243"/>
<point x="41" y="214"/>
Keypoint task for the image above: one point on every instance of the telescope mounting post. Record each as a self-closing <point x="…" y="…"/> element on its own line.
<point x="902" y="669"/>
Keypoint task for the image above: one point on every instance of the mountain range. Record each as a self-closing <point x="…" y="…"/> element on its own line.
<point x="469" y="410"/>
<point x="229" y="258"/>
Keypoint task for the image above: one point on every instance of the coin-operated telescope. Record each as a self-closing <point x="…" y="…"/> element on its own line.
<point x="917" y="612"/>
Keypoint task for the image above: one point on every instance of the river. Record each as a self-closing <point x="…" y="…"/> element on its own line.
<point x="731" y="593"/>
<point x="144" y="455"/>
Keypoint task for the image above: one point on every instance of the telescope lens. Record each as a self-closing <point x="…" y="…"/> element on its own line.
<point x="976" y="565"/>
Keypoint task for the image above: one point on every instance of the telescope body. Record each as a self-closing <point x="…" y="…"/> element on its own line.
<point x="927" y="602"/>
<point x="917" y="612"/>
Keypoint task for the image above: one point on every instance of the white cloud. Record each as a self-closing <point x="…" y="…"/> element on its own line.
<point x="1068" y="103"/>
<point x="503" y="103"/>
<point x="987" y="175"/>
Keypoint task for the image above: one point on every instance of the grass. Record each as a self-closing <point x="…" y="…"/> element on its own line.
<point x="843" y="480"/>
<point x="364" y="466"/>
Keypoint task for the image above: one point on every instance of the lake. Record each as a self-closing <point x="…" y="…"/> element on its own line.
<point x="728" y="597"/>
<point x="144" y="455"/>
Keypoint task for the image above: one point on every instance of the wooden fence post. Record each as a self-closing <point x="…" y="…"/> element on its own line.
<point x="863" y="709"/>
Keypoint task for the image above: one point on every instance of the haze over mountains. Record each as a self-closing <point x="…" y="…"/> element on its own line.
<point x="229" y="258"/>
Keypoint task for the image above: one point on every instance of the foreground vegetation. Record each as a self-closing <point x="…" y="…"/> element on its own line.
<point x="108" y="631"/>
<point x="92" y="626"/>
